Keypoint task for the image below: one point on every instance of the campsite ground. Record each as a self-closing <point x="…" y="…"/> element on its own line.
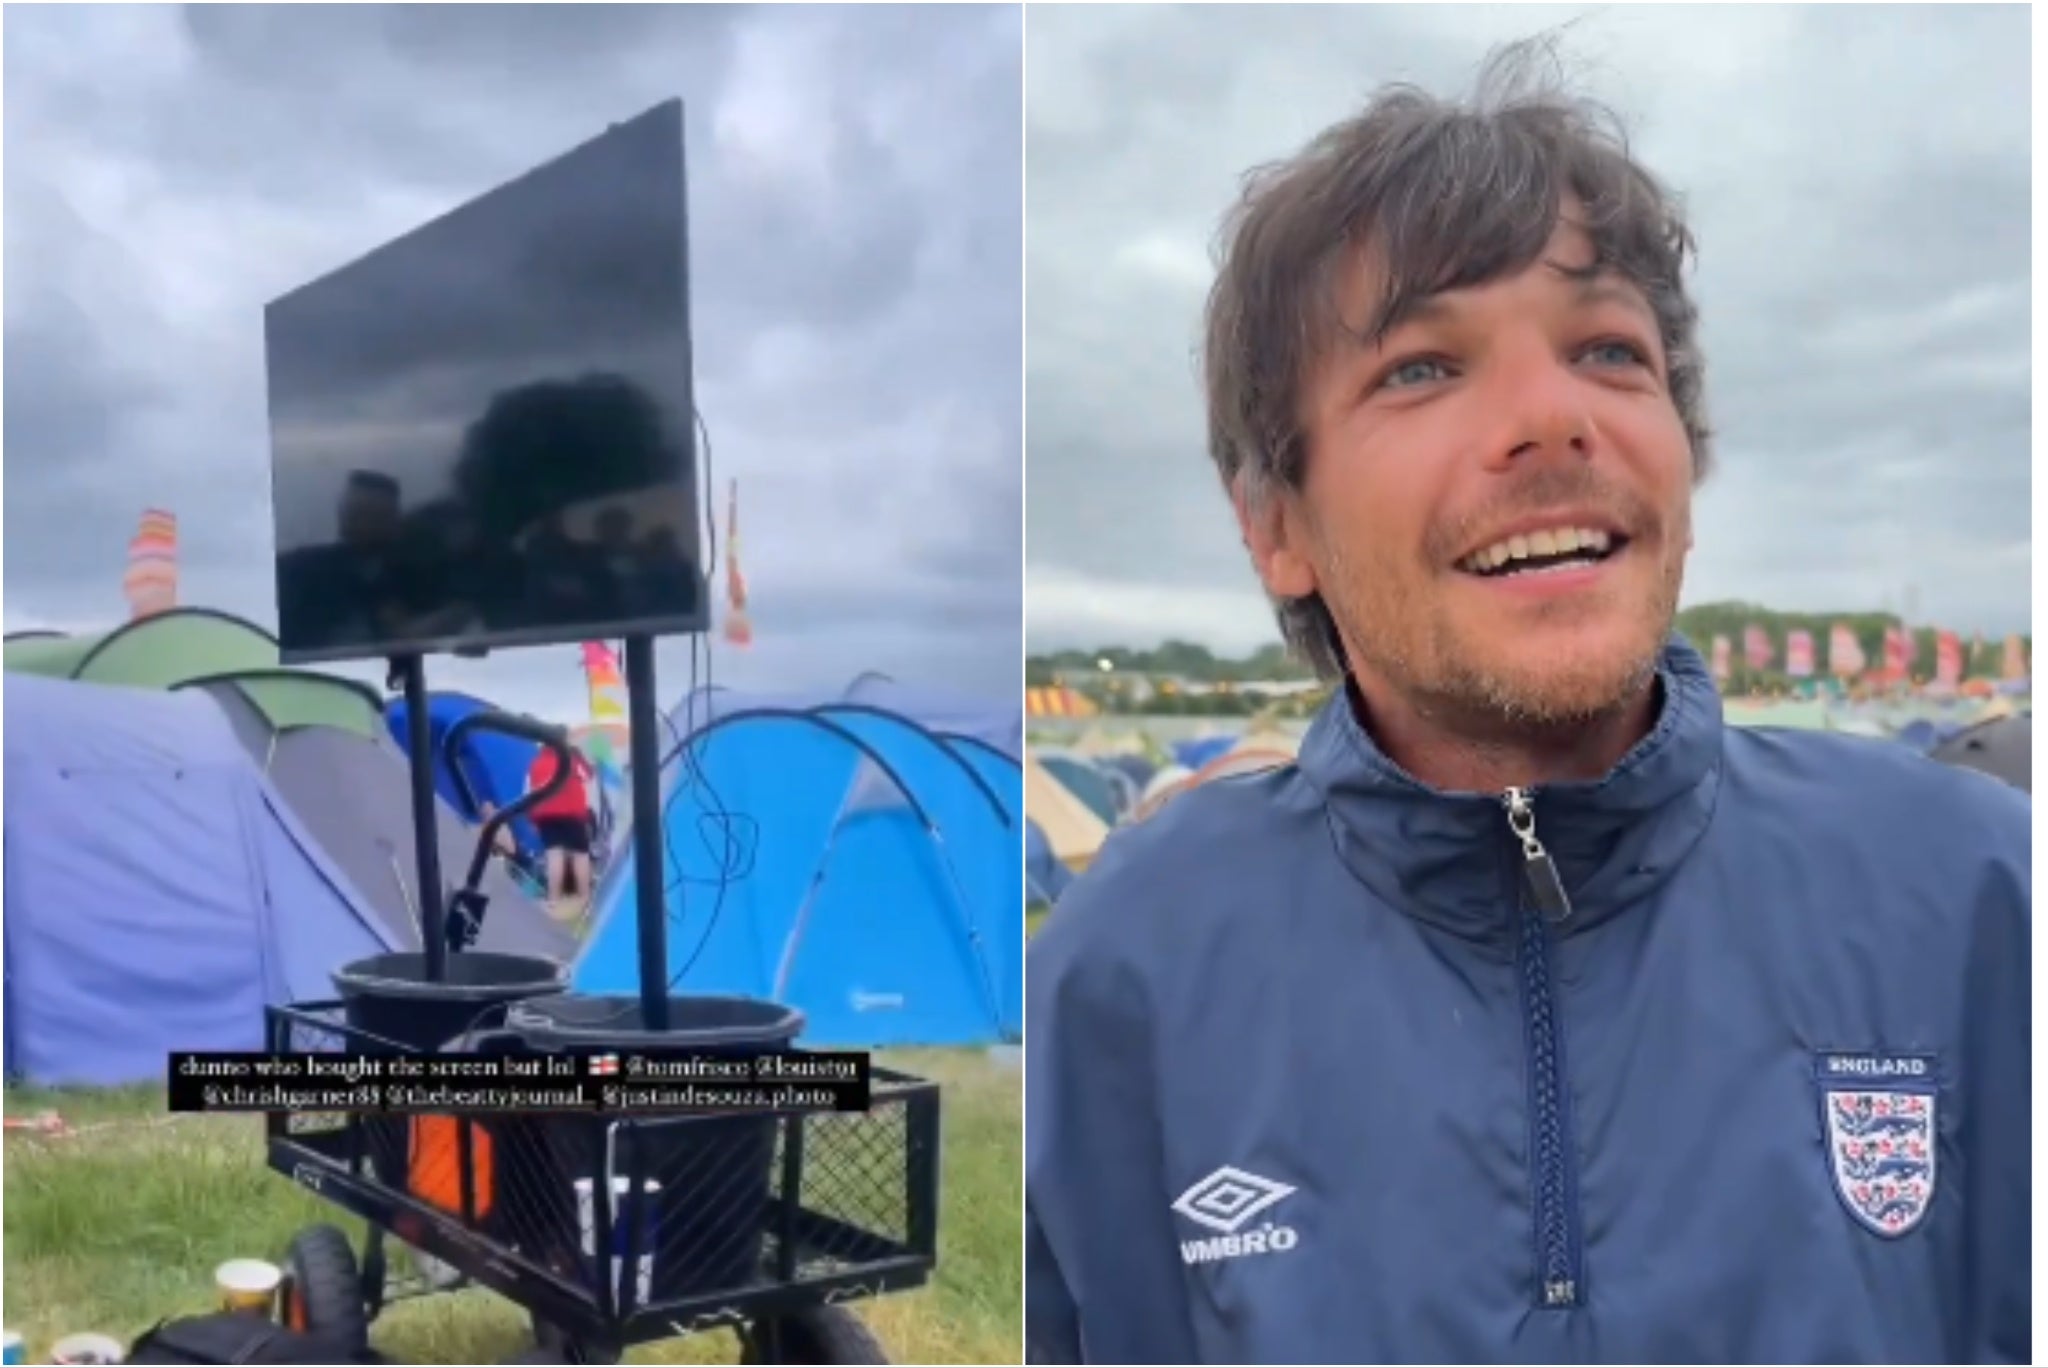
<point x="113" y="1229"/>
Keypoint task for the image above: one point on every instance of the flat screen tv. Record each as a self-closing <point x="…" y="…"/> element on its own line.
<point x="483" y="433"/>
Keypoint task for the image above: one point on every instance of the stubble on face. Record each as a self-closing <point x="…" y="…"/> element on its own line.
<point x="1446" y="669"/>
<point x="1399" y="488"/>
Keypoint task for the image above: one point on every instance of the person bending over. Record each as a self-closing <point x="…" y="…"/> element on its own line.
<point x="563" y="822"/>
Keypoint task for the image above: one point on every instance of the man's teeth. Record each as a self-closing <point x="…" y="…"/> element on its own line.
<point x="1556" y="541"/>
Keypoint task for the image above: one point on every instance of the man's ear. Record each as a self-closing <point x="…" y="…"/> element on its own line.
<point x="1273" y="533"/>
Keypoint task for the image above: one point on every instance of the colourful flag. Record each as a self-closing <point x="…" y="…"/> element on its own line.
<point x="607" y="689"/>
<point x="1756" y="648"/>
<point x="1722" y="651"/>
<point x="151" y="581"/>
<point x="738" y="630"/>
<point x="1845" y="652"/>
<point x="2015" y="664"/>
<point x="1948" y="658"/>
<point x="1799" y="654"/>
<point x="1898" y="651"/>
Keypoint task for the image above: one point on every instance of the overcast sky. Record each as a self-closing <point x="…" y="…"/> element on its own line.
<point x="856" y="229"/>
<point x="1859" y="182"/>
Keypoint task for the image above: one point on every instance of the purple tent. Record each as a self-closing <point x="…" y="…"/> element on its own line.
<point x="159" y="892"/>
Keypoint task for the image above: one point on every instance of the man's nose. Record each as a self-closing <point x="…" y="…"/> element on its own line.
<point x="1542" y="403"/>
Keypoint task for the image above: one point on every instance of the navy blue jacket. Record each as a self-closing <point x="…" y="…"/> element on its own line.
<point x="1325" y="1066"/>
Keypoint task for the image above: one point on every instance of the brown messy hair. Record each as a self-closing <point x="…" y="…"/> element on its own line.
<point x="1444" y="197"/>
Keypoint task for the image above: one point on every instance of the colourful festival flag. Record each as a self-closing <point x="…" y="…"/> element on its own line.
<point x="1845" y="652"/>
<point x="1799" y="654"/>
<point x="1898" y="657"/>
<point x="1722" y="651"/>
<point x="738" y="629"/>
<point x="607" y="688"/>
<point x="1948" y="659"/>
<point x="1756" y="648"/>
<point x="151" y="581"/>
<point x="2015" y="663"/>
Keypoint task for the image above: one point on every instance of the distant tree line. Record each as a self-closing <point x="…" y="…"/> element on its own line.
<point x="1109" y="674"/>
<point x="1173" y="659"/>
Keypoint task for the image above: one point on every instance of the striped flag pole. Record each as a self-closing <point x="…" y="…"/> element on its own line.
<point x="151" y="581"/>
<point x="739" y="630"/>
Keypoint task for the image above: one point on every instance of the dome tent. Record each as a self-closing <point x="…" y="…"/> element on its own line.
<point x="491" y="767"/>
<point x="160" y="891"/>
<point x="153" y="652"/>
<point x="352" y="789"/>
<point x="842" y="858"/>
<point x="315" y="736"/>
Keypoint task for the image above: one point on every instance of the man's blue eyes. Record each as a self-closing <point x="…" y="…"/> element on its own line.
<point x="1421" y="370"/>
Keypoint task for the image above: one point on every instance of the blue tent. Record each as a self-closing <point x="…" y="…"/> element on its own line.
<point x="997" y="725"/>
<point x="1000" y="725"/>
<point x="492" y="765"/>
<point x="1082" y="779"/>
<point x="160" y="893"/>
<point x="1202" y="749"/>
<point x="1048" y="877"/>
<point x="1135" y="768"/>
<point x="1002" y="775"/>
<point x="842" y="859"/>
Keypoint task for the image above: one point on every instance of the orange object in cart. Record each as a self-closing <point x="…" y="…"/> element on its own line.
<point x="434" y="1166"/>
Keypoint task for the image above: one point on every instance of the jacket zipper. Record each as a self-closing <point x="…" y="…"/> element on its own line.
<point x="1541" y="899"/>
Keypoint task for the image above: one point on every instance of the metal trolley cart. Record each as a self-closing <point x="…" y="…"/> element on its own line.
<point x="608" y="1229"/>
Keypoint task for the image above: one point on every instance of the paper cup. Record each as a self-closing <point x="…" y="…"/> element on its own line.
<point x="248" y="1285"/>
<point x="10" y="1347"/>
<point x="87" y="1349"/>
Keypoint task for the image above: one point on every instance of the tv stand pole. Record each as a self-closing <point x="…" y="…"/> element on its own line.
<point x="650" y="850"/>
<point x="426" y="830"/>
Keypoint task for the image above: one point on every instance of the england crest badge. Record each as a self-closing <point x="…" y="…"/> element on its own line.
<point x="1881" y="1136"/>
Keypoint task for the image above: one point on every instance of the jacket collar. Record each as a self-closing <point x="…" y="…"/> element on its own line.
<point x="1450" y="858"/>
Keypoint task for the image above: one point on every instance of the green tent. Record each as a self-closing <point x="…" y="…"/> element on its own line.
<point x="1798" y="714"/>
<point x="192" y="646"/>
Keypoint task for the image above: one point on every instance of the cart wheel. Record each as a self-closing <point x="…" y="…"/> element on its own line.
<point x="552" y="1345"/>
<point x="323" y="1292"/>
<point x="817" y="1334"/>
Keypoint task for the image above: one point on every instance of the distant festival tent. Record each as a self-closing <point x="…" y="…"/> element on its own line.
<point x="1199" y="751"/>
<point x="2002" y="748"/>
<point x="1085" y="782"/>
<point x="1073" y="831"/>
<point x="1059" y="702"/>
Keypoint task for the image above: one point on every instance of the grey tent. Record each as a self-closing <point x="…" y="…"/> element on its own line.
<point x="353" y="793"/>
<point x="2003" y="748"/>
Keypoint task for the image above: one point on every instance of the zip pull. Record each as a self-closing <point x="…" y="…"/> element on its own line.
<point x="1538" y="870"/>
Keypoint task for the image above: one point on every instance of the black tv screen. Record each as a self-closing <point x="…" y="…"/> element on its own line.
<point x="482" y="433"/>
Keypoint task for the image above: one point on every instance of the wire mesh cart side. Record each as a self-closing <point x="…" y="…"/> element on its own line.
<point x="741" y="1219"/>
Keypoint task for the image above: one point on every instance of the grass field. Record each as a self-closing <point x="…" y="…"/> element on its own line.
<point x="115" y="1229"/>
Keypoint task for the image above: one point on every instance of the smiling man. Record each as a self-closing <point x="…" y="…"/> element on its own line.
<point x="1534" y="1016"/>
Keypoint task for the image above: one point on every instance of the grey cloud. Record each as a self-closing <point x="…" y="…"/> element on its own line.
<point x="855" y="233"/>
<point x="1859" y="182"/>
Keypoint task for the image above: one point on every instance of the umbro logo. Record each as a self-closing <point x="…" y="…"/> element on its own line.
<point x="1227" y="1201"/>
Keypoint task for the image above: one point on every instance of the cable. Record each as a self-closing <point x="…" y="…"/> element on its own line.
<point x="676" y="879"/>
<point x="720" y="816"/>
